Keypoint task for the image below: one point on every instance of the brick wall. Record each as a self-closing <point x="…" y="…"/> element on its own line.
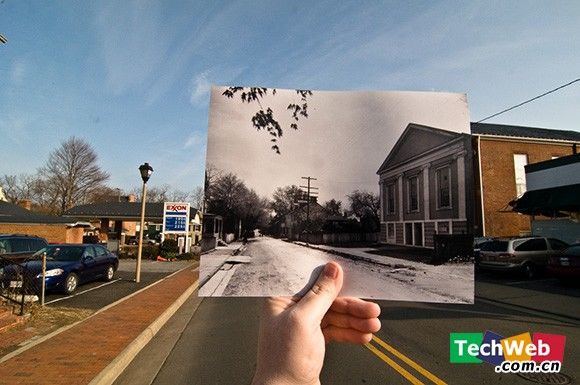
<point x="498" y="180"/>
<point x="53" y="233"/>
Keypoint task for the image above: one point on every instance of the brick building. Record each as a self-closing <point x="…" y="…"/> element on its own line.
<point x="18" y="220"/>
<point x="502" y="152"/>
<point x="117" y="220"/>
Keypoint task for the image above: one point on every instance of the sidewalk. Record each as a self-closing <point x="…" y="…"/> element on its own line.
<point x="96" y="350"/>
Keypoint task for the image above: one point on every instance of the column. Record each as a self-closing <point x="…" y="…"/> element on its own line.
<point x="400" y="196"/>
<point x="426" y="206"/>
<point x="461" y="203"/>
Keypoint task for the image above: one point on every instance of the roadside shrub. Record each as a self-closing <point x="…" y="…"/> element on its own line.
<point x="130" y="251"/>
<point x="150" y="252"/>
<point x="193" y="255"/>
<point x="169" y="248"/>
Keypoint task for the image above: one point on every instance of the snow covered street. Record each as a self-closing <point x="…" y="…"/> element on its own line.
<point x="278" y="268"/>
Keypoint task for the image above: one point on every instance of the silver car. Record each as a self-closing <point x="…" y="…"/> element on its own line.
<point x="526" y="254"/>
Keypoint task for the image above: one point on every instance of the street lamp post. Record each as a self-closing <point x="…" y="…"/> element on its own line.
<point x="146" y="172"/>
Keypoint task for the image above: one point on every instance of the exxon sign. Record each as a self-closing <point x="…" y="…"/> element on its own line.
<point x="176" y="209"/>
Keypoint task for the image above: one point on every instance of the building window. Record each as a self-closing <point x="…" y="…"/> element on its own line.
<point x="520" y="161"/>
<point x="390" y="199"/>
<point x="443" y="186"/>
<point x="413" y="187"/>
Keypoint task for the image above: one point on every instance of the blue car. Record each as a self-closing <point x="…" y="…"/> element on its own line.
<point x="67" y="266"/>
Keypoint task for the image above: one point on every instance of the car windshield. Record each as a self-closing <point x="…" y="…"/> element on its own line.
<point x="62" y="253"/>
<point x="495" y="245"/>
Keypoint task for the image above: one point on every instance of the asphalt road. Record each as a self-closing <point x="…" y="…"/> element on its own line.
<point x="216" y="344"/>
<point x="97" y="294"/>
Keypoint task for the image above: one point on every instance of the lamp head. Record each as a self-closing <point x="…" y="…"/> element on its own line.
<point x="146" y="170"/>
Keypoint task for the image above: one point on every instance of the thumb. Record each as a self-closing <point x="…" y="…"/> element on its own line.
<point x="322" y="294"/>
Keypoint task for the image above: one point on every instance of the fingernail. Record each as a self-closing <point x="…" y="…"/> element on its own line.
<point x="331" y="270"/>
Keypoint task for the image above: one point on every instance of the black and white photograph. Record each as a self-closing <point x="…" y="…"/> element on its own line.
<point x="380" y="182"/>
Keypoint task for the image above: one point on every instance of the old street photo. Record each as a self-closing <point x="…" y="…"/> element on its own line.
<point x="381" y="182"/>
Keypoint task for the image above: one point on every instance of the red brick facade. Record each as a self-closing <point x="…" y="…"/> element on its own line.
<point x="498" y="179"/>
<point x="53" y="233"/>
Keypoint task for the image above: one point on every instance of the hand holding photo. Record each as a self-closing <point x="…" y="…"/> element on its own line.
<point x="379" y="182"/>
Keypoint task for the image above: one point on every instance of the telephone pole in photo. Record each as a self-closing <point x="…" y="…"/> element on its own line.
<point x="309" y="193"/>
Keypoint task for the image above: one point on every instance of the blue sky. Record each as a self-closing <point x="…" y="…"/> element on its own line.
<point x="133" y="77"/>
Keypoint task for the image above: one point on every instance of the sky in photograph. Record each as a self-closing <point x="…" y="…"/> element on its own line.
<point x="133" y="78"/>
<point x="341" y="144"/>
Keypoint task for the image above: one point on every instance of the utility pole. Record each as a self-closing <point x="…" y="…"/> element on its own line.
<point x="309" y="193"/>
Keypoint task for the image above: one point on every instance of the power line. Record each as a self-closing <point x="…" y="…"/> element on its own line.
<point x="529" y="100"/>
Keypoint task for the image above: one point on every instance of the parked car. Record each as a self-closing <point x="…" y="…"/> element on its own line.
<point x="528" y="255"/>
<point x="18" y="247"/>
<point x="146" y="241"/>
<point x="566" y="265"/>
<point x="477" y="242"/>
<point x="67" y="266"/>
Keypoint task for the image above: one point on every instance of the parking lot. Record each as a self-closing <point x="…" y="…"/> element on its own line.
<point x="98" y="294"/>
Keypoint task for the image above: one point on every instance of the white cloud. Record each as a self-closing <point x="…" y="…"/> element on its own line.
<point x="199" y="90"/>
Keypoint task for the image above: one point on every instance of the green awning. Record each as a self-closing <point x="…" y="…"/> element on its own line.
<point x="549" y="201"/>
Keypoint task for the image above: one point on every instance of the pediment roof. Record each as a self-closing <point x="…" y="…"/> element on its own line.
<point x="417" y="139"/>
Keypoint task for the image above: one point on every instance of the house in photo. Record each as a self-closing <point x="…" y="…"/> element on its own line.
<point x="552" y="198"/>
<point x="15" y="219"/>
<point x="213" y="231"/>
<point x="426" y="186"/>
<point x="308" y="217"/>
<point x="502" y="152"/>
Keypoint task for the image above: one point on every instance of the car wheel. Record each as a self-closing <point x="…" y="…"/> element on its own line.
<point x="530" y="271"/>
<point x="70" y="283"/>
<point x="109" y="273"/>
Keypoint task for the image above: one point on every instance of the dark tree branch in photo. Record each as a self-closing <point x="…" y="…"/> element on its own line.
<point x="264" y="119"/>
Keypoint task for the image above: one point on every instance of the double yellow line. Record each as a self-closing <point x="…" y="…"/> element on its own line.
<point x="400" y="369"/>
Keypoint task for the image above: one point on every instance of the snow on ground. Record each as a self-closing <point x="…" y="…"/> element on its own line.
<point x="280" y="268"/>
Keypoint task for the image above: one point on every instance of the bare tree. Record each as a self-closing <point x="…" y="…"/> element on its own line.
<point x="72" y="174"/>
<point x="19" y="187"/>
<point x="197" y="197"/>
<point x="333" y="206"/>
<point x="366" y="206"/>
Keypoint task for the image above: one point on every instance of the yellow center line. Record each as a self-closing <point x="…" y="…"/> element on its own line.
<point x="412" y="379"/>
<point x="410" y="362"/>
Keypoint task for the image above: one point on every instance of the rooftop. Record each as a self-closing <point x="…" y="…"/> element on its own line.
<point x="524" y="132"/>
<point x="121" y="211"/>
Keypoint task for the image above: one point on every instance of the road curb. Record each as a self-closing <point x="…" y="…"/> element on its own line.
<point x="108" y="375"/>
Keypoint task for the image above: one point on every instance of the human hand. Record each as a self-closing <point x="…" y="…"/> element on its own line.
<point x="293" y="331"/>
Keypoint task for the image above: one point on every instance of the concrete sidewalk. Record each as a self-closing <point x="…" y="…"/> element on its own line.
<point x="97" y="349"/>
